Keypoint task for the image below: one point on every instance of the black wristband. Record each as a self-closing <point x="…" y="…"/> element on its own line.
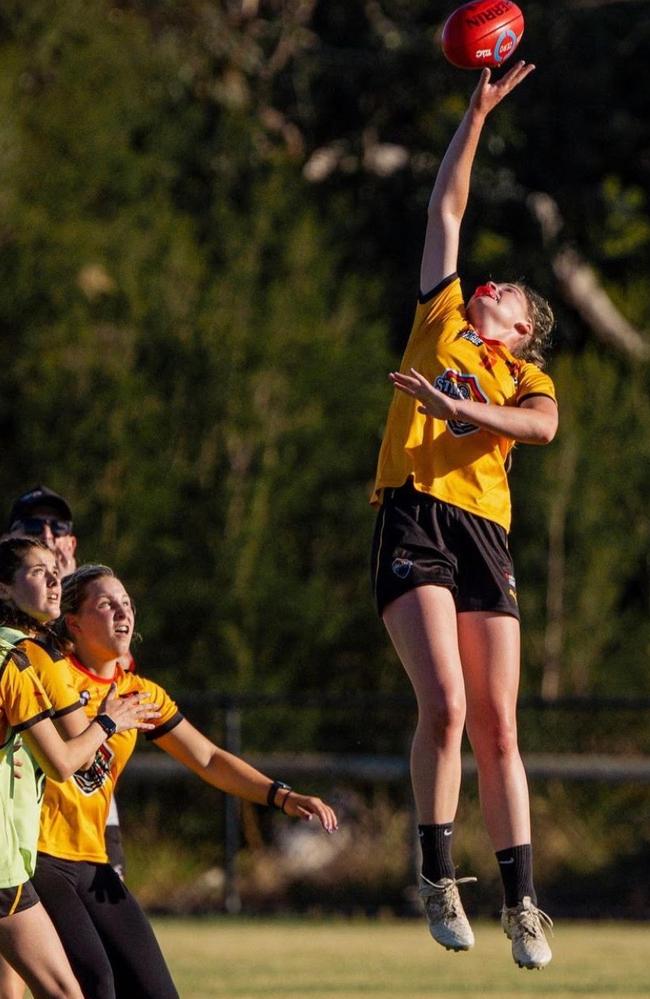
<point x="284" y="800"/>
<point x="107" y="723"/>
<point x="273" y="790"/>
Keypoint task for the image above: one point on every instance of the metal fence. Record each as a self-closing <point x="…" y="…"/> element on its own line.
<point x="383" y="768"/>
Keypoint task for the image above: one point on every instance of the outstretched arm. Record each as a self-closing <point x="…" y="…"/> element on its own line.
<point x="451" y="189"/>
<point x="231" y="774"/>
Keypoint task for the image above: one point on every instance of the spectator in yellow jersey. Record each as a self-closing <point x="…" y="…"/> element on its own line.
<point x="108" y="940"/>
<point x="470" y="386"/>
<point x="29" y="598"/>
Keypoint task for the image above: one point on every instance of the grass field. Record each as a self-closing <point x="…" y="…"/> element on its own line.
<point x="274" y="959"/>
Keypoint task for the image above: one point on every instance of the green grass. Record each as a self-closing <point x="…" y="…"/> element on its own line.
<point x="276" y="959"/>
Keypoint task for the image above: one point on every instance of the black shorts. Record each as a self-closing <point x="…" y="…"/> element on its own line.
<point x="105" y="934"/>
<point x="421" y="541"/>
<point x="17" y="899"/>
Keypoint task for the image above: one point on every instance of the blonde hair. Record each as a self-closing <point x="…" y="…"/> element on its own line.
<point x="543" y="320"/>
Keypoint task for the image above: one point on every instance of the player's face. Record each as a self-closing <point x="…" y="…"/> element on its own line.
<point x="36" y="587"/>
<point x="498" y="307"/>
<point x="104" y="623"/>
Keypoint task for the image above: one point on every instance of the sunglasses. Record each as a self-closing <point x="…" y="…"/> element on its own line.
<point x="36" y="525"/>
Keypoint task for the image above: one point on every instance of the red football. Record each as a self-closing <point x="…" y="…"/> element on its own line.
<point x="482" y="33"/>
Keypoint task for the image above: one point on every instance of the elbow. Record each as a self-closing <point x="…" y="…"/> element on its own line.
<point x="546" y="437"/>
<point x="445" y="215"/>
<point x="547" y="432"/>
<point x="61" y="771"/>
<point x="58" y="772"/>
<point x="551" y="428"/>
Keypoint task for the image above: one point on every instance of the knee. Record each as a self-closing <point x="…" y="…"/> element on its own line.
<point x="444" y="719"/>
<point x="494" y="738"/>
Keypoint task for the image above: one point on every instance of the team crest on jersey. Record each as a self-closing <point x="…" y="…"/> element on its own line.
<point x="471" y="335"/>
<point x="91" y="780"/>
<point x="457" y="385"/>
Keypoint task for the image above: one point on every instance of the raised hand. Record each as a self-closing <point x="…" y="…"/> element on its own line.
<point x="487" y="94"/>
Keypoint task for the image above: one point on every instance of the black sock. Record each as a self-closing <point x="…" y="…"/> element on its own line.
<point x="435" y="841"/>
<point x="516" y="866"/>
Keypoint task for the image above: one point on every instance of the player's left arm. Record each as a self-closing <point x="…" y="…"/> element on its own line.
<point x="233" y="775"/>
<point x="533" y="421"/>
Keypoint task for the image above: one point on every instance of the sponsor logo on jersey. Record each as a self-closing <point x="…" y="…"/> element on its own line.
<point x="471" y="335"/>
<point x="457" y="385"/>
<point x="84" y="697"/>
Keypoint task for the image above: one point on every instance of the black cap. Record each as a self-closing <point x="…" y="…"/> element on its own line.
<point x="38" y="496"/>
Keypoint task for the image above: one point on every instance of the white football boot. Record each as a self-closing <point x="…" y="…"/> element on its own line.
<point x="446" y="917"/>
<point x="523" y="925"/>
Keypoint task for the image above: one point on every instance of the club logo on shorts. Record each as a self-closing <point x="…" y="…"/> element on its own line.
<point x="457" y="385"/>
<point x="401" y="567"/>
<point x="512" y="585"/>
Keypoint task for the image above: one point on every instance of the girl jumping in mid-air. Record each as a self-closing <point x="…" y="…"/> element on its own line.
<point x="469" y="387"/>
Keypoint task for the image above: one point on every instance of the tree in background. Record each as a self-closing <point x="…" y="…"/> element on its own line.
<point x="210" y="220"/>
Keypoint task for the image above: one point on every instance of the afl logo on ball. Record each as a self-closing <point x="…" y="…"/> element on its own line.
<point x="505" y="46"/>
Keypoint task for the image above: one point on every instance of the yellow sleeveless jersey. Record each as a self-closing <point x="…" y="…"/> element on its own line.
<point x="74" y="813"/>
<point x="455" y="461"/>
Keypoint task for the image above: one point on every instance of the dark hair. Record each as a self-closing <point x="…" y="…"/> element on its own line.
<point x="12" y="557"/>
<point x="543" y="320"/>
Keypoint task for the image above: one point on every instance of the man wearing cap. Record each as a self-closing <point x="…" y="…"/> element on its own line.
<point x="44" y="514"/>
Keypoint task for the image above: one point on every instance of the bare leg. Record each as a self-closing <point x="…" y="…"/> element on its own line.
<point x="11" y="984"/>
<point x="422" y="627"/>
<point x="489" y="646"/>
<point x="29" y="942"/>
